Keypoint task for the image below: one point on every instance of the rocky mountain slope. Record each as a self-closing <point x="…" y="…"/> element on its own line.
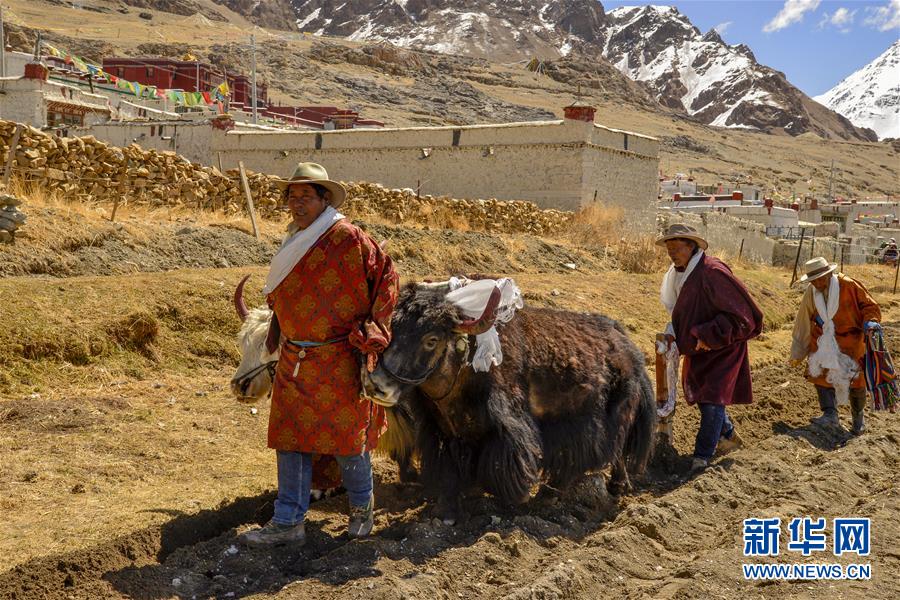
<point x="700" y="74"/>
<point x="870" y="97"/>
<point x="657" y="46"/>
<point x="683" y="69"/>
<point x="499" y="30"/>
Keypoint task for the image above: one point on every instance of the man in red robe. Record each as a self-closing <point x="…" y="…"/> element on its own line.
<point x="851" y="312"/>
<point x="333" y="291"/>
<point x="713" y="317"/>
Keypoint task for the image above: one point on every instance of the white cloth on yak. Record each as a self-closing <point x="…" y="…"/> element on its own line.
<point x="296" y="246"/>
<point x="471" y="298"/>
<point x="671" y="286"/>
<point x="841" y="368"/>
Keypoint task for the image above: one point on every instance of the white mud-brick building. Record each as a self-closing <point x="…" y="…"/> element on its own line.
<point x="35" y="101"/>
<point x="563" y="164"/>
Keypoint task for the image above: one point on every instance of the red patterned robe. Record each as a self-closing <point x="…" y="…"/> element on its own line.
<point x="344" y="288"/>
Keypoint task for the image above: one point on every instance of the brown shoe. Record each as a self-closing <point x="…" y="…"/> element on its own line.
<point x="273" y="534"/>
<point x="731" y="444"/>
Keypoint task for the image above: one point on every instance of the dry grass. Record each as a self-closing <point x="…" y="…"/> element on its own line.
<point x="605" y="229"/>
<point x="39" y="196"/>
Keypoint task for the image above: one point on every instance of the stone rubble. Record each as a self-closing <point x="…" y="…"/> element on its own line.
<point x="86" y="169"/>
<point x="11" y="218"/>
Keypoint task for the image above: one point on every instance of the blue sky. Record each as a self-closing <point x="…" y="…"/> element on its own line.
<point x="816" y="43"/>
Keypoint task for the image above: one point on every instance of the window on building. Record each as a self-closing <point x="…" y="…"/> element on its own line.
<point x="58" y="119"/>
<point x="120" y="71"/>
<point x="149" y="71"/>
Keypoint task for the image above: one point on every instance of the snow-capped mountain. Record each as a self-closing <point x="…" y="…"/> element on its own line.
<point x="498" y="30"/>
<point x="871" y="96"/>
<point x="717" y="83"/>
<point x="657" y="46"/>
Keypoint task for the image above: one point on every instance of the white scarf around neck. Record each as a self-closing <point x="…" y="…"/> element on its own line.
<point x="841" y="368"/>
<point x="296" y="246"/>
<point x="674" y="280"/>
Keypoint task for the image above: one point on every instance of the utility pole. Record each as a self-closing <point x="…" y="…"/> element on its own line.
<point x="831" y="184"/>
<point x="2" y="46"/>
<point x="253" y="73"/>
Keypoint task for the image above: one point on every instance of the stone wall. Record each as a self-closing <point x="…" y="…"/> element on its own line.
<point x="91" y="170"/>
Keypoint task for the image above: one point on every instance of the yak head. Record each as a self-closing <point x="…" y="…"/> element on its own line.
<point x="254" y="376"/>
<point x="429" y="342"/>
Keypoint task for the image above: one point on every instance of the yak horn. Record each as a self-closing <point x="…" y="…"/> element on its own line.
<point x="487" y="318"/>
<point x="239" y="303"/>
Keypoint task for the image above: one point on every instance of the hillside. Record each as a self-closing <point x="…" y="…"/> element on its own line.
<point x="408" y="87"/>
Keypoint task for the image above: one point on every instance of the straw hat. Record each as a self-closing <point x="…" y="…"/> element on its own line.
<point x="817" y="267"/>
<point x="682" y="231"/>
<point x="311" y="173"/>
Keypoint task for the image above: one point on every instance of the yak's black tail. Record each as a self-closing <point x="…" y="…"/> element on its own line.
<point x="640" y="440"/>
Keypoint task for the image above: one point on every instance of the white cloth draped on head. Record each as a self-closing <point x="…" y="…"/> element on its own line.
<point x="471" y="297"/>
<point x="296" y="246"/>
<point x="842" y="369"/>
<point x="671" y="286"/>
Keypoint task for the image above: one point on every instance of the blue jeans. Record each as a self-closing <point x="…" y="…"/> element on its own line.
<point x="714" y="423"/>
<point x="295" y="481"/>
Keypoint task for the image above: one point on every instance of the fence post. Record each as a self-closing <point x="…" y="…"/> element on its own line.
<point x="741" y="249"/>
<point x="112" y="217"/>
<point x="797" y="260"/>
<point x="896" y="272"/>
<point x="812" y="245"/>
<point x="842" y="257"/>
<point x="249" y="198"/>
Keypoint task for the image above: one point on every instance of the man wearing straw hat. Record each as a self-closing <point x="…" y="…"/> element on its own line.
<point x="829" y="330"/>
<point x="332" y="291"/>
<point x="713" y="317"/>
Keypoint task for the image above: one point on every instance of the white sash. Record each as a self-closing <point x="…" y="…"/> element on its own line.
<point x="841" y="368"/>
<point x="296" y="246"/>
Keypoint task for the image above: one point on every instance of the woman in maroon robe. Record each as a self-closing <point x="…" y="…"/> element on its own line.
<point x="713" y="318"/>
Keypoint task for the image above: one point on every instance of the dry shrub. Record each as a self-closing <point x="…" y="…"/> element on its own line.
<point x="137" y="330"/>
<point x="604" y="229"/>
<point x="441" y="217"/>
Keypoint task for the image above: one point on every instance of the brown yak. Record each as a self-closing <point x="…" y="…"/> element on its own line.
<point x="570" y="396"/>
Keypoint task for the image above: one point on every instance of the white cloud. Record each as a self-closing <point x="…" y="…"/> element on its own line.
<point x="842" y="19"/>
<point x="792" y="12"/>
<point x="722" y="27"/>
<point x="884" y="18"/>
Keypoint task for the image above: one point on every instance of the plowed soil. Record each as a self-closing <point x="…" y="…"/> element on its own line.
<point x="128" y="471"/>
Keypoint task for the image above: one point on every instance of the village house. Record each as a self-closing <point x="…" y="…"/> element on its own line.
<point x="34" y="100"/>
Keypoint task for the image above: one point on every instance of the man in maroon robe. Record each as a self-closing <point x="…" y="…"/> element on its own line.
<point x="713" y="317"/>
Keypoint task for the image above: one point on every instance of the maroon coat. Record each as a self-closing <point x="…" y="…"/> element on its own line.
<point x="715" y="307"/>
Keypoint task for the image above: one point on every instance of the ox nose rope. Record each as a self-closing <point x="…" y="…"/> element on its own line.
<point x="244" y="380"/>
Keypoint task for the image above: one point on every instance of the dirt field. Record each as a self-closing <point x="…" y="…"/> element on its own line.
<point x="129" y="470"/>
